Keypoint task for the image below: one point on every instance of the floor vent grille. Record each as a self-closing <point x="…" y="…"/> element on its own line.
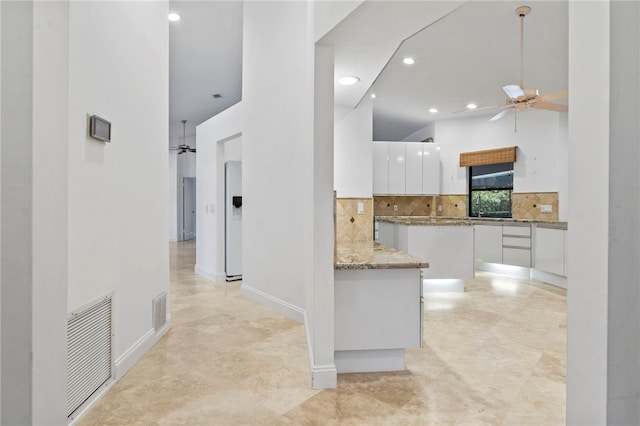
<point x="159" y="311"/>
<point x="89" y="352"/>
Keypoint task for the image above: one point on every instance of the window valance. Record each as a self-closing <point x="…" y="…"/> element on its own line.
<point x="488" y="156"/>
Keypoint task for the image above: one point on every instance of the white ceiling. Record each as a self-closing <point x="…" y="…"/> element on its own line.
<point x="467" y="57"/>
<point x="205" y="57"/>
<point x="467" y="52"/>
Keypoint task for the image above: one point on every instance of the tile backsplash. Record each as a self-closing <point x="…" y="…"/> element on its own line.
<point x="454" y="205"/>
<point x="524" y="205"/>
<point x="351" y="226"/>
<point x="406" y="205"/>
<point x="420" y="205"/>
<point x="529" y="205"/>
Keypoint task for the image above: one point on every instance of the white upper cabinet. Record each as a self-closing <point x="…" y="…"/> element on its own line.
<point x="413" y="170"/>
<point x="397" y="168"/>
<point x="381" y="168"/>
<point x="430" y="169"/>
<point x="406" y="168"/>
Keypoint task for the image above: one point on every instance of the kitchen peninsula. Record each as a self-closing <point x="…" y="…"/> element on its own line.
<point x="378" y="306"/>
<point x="448" y="244"/>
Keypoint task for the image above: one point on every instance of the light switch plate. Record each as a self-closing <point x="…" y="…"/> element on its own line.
<point x="360" y="208"/>
<point x="546" y="208"/>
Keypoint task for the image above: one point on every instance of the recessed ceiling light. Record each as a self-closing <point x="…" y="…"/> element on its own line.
<point x="433" y="110"/>
<point x="348" y="80"/>
<point x="373" y="96"/>
<point x="409" y="61"/>
<point x="472" y="106"/>
<point x="174" y="17"/>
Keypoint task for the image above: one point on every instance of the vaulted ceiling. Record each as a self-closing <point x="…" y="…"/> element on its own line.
<point x="464" y="52"/>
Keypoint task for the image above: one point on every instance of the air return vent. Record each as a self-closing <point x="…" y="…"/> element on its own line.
<point x="159" y="311"/>
<point x="89" y="353"/>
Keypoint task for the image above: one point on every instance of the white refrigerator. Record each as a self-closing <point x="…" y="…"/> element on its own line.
<point x="233" y="220"/>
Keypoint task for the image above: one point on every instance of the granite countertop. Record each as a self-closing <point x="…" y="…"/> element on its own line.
<point x="445" y="220"/>
<point x="426" y="220"/>
<point x="373" y="255"/>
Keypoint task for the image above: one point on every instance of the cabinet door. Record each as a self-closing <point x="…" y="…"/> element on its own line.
<point x="516" y="256"/>
<point x="549" y="250"/>
<point x="397" y="167"/>
<point x="488" y="243"/>
<point x="414" y="168"/>
<point x="380" y="168"/>
<point x="430" y="169"/>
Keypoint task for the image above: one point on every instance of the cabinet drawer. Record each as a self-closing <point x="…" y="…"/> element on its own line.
<point x="524" y="231"/>
<point x="516" y="256"/>
<point x="516" y="241"/>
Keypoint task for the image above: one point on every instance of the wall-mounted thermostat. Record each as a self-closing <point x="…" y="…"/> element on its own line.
<point x="100" y="129"/>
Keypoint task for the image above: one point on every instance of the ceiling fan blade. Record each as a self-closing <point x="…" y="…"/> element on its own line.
<point x="481" y="108"/>
<point x="555" y="96"/>
<point x="513" y="91"/>
<point x="549" y="106"/>
<point x="499" y="115"/>
<point x="181" y="152"/>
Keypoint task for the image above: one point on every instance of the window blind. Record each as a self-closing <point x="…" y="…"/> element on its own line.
<point x="488" y="156"/>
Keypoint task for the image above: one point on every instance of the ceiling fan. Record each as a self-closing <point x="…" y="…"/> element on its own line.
<point x="519" y="98"/>
<point x="183" y="147"/>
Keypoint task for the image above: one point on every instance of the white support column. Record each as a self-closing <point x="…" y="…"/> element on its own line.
<point x="320" y="307"/>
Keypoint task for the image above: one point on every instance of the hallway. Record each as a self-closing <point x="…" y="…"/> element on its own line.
<point x="493" y="355"/>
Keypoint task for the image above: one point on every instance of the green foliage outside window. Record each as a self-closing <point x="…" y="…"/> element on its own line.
<point x="490" y="203"/>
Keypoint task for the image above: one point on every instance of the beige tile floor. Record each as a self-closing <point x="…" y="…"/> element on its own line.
<point x="494" y="355"/>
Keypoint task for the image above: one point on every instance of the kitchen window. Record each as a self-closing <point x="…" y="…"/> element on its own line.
<point x="490" y="188"/>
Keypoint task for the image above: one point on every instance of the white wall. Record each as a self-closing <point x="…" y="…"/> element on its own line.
<point x="117" y="210"/>
<point x="86" y="218"/>
<point x="0" y="214"/>
<point x="353" y="176"/>
<point x="16" y="212"/>
<point x="172" y="201"/>
<point x="277" y="152"/>
<point x="420" y="135"/>
<point x="213" y="136"/>
<point x="328" y="13"/>
<point x="539" y="141"/>
<point x="588" y="236"/>
<point x="623" y="357"/>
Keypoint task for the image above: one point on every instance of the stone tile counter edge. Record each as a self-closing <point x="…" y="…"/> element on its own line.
<point x="425" y="220"/>
<point x="374" y="256"/>
<point x="461" y="221"/>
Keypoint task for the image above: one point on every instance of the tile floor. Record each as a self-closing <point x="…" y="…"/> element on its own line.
<point x="494" y="355"/>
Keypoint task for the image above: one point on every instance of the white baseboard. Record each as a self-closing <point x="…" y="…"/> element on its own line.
<point x="549" y="278"/>
<point x="122" y="365"/>
<point x="138" y="349"/>
<point x="210" y="275"/>
<point x="273" y="302"/>
<point x="370" y="360"/>
<point x="322" y="376"/>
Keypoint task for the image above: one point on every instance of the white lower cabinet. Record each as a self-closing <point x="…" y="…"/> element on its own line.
<point x="516" y="256"/>
<point x="378" y="313"/>
<point x="549" y="253"/>
<point x="516" y="245"/>
<point x="487" y="243"/>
